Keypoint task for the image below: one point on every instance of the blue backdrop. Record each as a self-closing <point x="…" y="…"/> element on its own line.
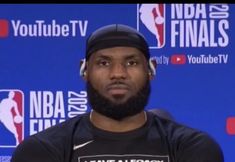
<point x="41" y="47"/>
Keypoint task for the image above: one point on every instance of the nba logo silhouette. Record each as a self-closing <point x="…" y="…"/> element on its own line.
<point x="11" y="117"/>
<point x="151" y="22"/>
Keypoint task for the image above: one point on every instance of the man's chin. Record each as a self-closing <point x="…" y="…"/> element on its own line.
<point x="118" y="98"/>
<point x="118" y="106"/>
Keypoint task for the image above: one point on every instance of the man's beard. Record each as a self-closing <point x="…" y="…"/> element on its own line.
<point x="118" y="111"/>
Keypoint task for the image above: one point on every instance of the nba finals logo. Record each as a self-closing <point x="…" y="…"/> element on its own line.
<point x="151" y="22"/>
<point x="11" y="118"/>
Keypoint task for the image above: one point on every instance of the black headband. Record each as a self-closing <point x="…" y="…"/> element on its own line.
<point x="116" y="35"/>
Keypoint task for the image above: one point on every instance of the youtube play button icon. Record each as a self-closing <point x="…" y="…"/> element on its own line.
<point x="230" y="125"/>
<point x="178" y="59"/>
<point x="4" y="26"/>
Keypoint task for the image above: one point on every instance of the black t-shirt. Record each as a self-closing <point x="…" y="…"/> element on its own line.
<point x="159" y="140"/>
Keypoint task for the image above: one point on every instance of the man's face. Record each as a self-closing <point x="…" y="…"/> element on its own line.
<point x="118" y="81"/>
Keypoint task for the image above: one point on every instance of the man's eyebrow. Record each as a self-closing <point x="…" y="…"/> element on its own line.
<point x="101" y="56"/>
<point x="126" y="56"/>
<point x="133" y="56"/>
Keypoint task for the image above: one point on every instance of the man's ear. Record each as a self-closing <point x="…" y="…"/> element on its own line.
<point x="83" y="69"/>
<point x="152" y="67"/>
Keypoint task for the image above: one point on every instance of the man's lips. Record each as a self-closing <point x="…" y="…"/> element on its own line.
<point x="117" y="89"/>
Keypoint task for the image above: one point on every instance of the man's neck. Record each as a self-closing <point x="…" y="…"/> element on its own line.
<point x="127" y="124"/>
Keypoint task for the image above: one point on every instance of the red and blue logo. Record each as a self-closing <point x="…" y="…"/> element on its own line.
<point x="230" y="125"/>
<point x="178" y="59"/>
<point x="151" y="22"/>
<point x="4" y="28"/>
<point x="11" y="117"/>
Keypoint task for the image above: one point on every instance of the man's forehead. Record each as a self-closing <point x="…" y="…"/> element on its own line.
<point x="116" y="35"/>
<point x="118" y="52"/>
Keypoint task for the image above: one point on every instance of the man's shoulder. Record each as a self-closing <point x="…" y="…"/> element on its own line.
<point x="188" y="141"/>
<point x="180" y="131"/>
<point x="50" y="143"/>
<point x="171" y="127"/>
<point x="57" y="133"/>
<point x="62" y="129"/>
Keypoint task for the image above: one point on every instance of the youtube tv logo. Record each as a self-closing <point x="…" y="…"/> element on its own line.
<point x="4" y="28"/>
<point x="230" y="125"/>
<point x="178" y="59"/>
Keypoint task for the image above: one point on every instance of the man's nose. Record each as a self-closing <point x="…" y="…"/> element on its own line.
<point x="118" y="71"/>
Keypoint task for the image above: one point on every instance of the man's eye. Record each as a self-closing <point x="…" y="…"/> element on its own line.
<point x="103" y="63"/>
<point x="131" y="63"/>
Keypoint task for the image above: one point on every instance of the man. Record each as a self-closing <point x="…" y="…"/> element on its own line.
<point x="118" y="129"/>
